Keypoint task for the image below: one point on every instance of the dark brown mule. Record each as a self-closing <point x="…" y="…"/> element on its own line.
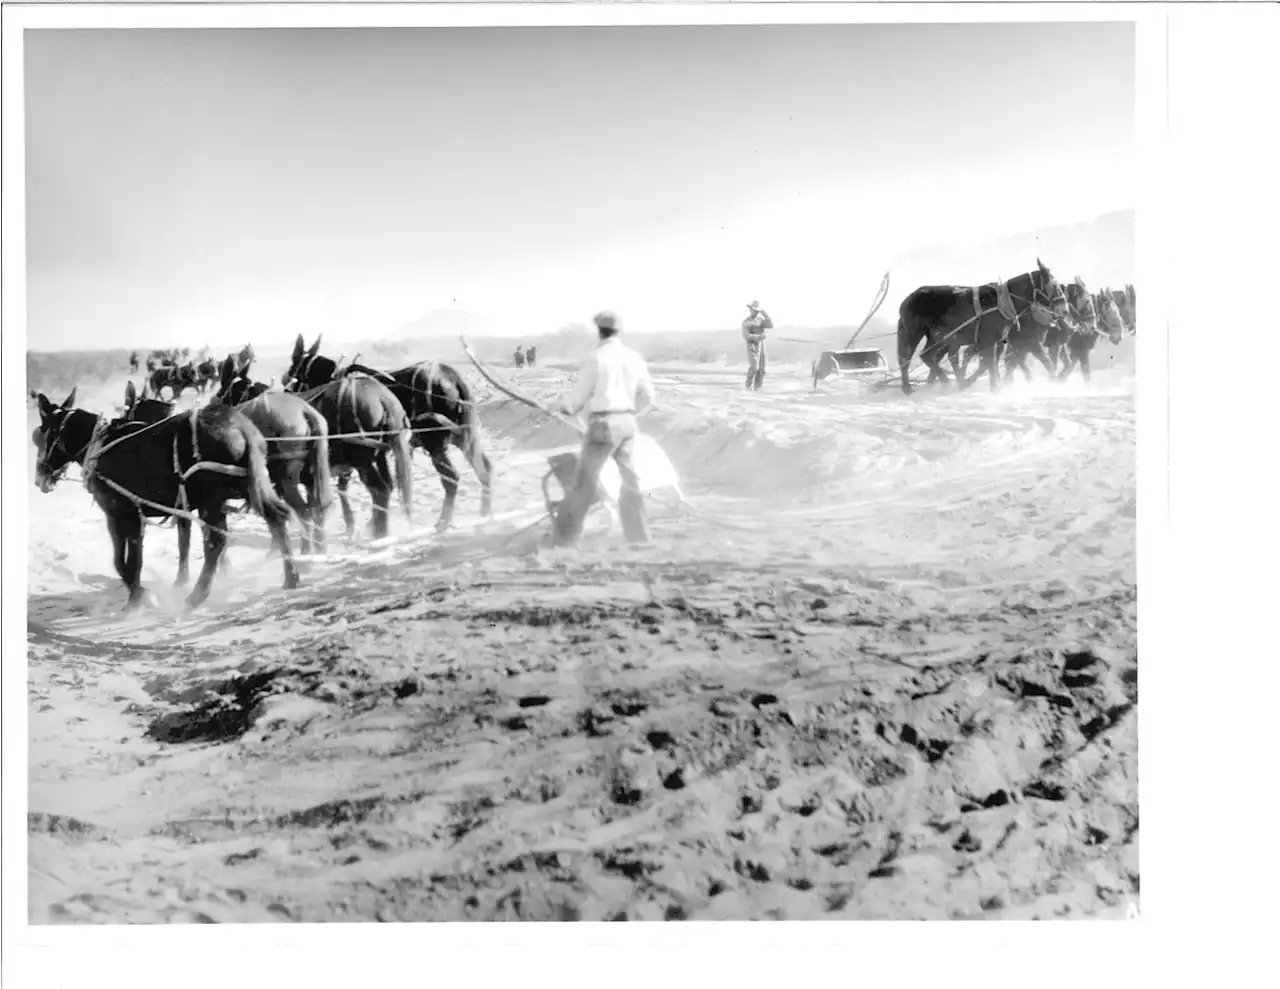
<point x="1126" y="301"/>
<point x="176" y="378"/>
<point x="141" y="408"/>
<point x="365" y="421"/>
<point x="1096" y="315"/>
<point x="297" y="447"/>
<point x="948" y="318"/>
<point x="1033" y="336"/>
<point x="206" y="374"/>
<point x="182" y="463"/>
<point x="441" y="409"/>
<point x="1080" y="315"/>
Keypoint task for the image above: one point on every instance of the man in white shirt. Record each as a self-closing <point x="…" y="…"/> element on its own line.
<point x="754" y="328"/>
<point x="613" y="386"/>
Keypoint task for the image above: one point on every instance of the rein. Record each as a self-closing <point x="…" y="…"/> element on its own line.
<point x="89" y="456"/>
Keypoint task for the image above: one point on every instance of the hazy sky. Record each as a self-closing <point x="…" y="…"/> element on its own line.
<point x="218" y="185"/>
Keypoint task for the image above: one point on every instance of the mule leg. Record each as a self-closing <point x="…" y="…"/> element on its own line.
<point x="214" y="521"/>
<point x="954" y="357"/>
<point x="120" y="556"/>
<point x="184" y="550"/>
<point x="288" y="488"/>
<point x="1038" y="352"/>
<point x="377" y="478"/>
<point x="129" y="555"/>
<point x="348" y="517"/>
<point x="1084" y="366"/>
<point x="280" y="534"/>
<point x="992" y="360"/>
<point x="483" y="466"/>
<point x="300" y="502"/>
<point x="448" y="480"/>
<point x="316" y="513"/>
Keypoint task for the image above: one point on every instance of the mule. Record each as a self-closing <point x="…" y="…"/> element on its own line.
<point x="177" y="378"/>
<point x="143" y="408"/>
<point x="948" y="318"/>
<point x="1126" y="301"/>
<point x="1098" y="314"/>
<point x="206" y="374"/>
<point x="365" y="421"/>
<point x="531" y="356"/>
<point x="441" y="409"/>
<point x="297" y="443"/>
<point x="179" y="464"/>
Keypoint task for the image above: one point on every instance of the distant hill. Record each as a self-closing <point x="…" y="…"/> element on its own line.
<point x="1101" y="252"/>
<point x="440" y="324"/>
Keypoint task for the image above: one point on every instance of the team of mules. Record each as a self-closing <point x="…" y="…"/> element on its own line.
<point x="276" y="450"/>
<point x="184" y="467"/>
<point x="1029" y="316"/>
<point x="436" y="399"/>
<point x="173" y="370"/>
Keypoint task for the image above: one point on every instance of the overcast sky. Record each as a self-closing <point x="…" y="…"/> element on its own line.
<point x="218" y="185"/>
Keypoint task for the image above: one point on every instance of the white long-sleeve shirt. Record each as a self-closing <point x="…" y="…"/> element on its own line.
<point x="613" y="379"/>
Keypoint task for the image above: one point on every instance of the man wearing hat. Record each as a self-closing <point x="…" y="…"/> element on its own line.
<point x="612" y="387"/>
<point x="753" y="332"/>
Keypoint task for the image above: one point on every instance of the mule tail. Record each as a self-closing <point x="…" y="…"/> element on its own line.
<point x="317" y="461"/>
<point x="402" y="450"/>
<point x="469" y="437"/>
<point x="908" y="340"/>
<point x="262" y="495"/>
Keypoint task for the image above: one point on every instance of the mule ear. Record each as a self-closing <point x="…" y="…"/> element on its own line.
<point x="70" y="400"/>
<point x="315" y="348"/>
<point x="46" y="407"/>
<point x="130" y="394"/>
<point x="299" y="346"/>
<point x="1040" y="265"/>
<point x="228" y="371"/>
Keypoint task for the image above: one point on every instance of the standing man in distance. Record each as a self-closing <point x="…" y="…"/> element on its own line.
<point x="754" y="328"/>
<point x="613" y="387"/>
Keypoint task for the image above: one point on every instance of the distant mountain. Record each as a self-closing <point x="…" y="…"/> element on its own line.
<point x="439" y="324"/>
<point x="1100" y="252"/>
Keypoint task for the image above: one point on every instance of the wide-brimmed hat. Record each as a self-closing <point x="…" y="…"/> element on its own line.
<point x="755" y="304"/>
<point x="606" y="320"/>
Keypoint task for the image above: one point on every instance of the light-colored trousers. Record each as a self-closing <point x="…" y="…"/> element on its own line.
<point x="757" y="361"/>
<point x="607" y="436"/>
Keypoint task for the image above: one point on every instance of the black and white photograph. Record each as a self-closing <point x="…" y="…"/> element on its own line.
<point x="601" y="471"/>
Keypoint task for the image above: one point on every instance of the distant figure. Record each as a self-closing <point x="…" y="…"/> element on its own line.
<point x="754" y="328"/>
<point x="133" y="363"/>
<point x="613" y="386"/>
<point x="532" y="356"/>
<point x="520" y="358"/>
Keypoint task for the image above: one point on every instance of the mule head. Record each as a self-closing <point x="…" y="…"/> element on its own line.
<point x="234" y="386"/>
<point x="226" y="375"/>
<point x="1109" y="319"/>
<point x="307" y="368"/>
<point x="1049" y="292"/>
<point x="52" y="452"/>
<point x="130" y="396"/>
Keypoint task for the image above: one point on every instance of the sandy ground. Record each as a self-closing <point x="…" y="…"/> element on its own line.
<point x="882" y="666"/>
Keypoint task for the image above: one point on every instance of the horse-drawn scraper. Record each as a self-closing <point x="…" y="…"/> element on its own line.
<point x="851" y="363"/>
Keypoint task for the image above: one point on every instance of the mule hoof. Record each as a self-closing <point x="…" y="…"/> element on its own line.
<point x="181" y="580"/>
<point x="442" y="525"/>
<point x="291" y="581"/>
